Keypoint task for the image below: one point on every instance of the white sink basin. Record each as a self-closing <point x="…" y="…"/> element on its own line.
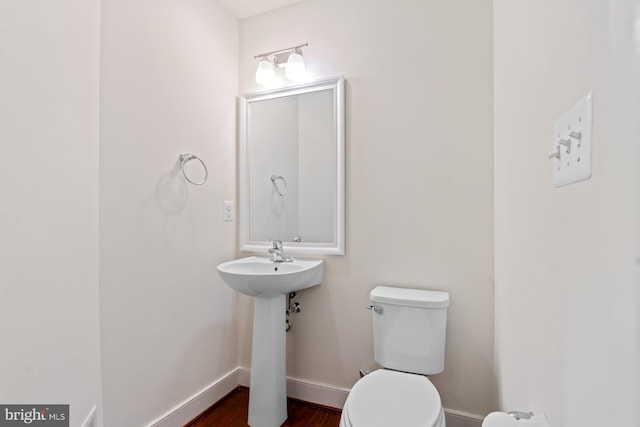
<point x="260" y="277"/>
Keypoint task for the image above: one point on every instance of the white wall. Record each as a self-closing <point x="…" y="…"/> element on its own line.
<point x="566" y="259"/>
<point x="49" y="209"/>
<point x="419" y="179"/>
<point x="169" y="81"/>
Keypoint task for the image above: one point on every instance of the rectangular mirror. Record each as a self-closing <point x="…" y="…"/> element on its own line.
<point x="292" y="168"/>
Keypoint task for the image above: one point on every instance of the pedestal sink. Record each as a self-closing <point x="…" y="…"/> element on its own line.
<point x="269" y="283"/>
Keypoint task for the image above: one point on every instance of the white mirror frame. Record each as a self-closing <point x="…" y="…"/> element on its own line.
<point x="334" y="248"/>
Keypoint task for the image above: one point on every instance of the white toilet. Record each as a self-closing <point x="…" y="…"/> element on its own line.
<point x="409" y="328"/>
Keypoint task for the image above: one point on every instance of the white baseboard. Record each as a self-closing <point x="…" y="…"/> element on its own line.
<point x="244" y="375"/>
<point x="319" y="394"/>
<point x="199" y="402"/>
<point x="91" y="420"/>
<point x="461" y="419"/>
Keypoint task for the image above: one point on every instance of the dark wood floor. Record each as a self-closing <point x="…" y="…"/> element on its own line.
<point x="233" y="411"/>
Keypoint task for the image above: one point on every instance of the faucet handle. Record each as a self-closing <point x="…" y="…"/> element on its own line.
<point x="277" y="244"/>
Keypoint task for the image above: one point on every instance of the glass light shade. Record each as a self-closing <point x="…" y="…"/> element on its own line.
<point x="265" y="74"/>
<point x="295" y="69"/>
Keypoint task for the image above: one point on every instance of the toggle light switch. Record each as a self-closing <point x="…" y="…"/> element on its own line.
<point x="571" y="145"/>
<point x="566" y="143"/>
<point x="229" y="212"/>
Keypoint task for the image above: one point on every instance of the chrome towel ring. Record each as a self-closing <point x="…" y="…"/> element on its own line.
<point x="276" y="186"/>
<point x="187" y="157"/>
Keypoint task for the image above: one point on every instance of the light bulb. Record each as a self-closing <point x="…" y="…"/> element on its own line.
<point x="295" y="69"/>
<point x="265" y="74"/>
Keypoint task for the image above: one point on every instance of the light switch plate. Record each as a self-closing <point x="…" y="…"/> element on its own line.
<point x="572" y="137"/>
<point x="229" y="213"/>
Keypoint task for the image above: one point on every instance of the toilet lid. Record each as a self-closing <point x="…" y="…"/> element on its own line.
<point x="389" y="398"/>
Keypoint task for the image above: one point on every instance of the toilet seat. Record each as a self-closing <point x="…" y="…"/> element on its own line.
<point x="389" y="398"/>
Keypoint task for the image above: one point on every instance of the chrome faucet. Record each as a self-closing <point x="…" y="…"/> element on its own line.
<point x="278" y="254"/>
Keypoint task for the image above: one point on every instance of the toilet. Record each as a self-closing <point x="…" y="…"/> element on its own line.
<point x="409" y="328"/>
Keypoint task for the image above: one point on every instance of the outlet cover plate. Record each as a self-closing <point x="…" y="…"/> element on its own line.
<point x="574" y="164"/>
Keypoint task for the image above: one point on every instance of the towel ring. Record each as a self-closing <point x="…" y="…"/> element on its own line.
<point x="186" y="157"/>
<point x="274" y="181"/>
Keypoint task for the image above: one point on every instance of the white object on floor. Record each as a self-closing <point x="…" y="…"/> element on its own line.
<point x="502" y="419"/>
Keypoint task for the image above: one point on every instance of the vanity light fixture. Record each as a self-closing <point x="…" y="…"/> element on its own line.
<point x="265" y="74"/>
<point x="295" y="69"/>
<point x="290" y="59"/>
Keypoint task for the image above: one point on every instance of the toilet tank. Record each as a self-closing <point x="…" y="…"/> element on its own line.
<point x="409" y="332"/>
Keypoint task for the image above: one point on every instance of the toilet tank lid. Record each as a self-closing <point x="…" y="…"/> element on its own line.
<point x="410" y="297"/>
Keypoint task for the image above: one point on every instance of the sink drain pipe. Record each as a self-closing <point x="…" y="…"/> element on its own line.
<point x="292" y="307"/>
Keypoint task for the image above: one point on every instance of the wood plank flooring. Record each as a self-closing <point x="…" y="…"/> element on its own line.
<point x="233" y="411"/>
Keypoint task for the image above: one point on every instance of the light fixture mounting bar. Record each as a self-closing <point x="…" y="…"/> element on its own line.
<point x="264" y="55"/>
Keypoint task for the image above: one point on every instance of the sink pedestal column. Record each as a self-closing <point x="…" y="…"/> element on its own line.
<point x="268" y="392"/>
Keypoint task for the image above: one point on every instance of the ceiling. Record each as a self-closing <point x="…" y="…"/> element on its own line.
<point x="245" y="8"/>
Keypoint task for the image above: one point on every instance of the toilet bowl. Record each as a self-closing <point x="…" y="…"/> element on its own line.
<point x="409" y="328"/>
<point x="390" y="398"/>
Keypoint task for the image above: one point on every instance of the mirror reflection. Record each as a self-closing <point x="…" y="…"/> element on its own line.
<point x="292" y="168"/>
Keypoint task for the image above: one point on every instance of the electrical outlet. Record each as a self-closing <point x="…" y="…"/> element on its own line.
<point x="571" y="152"/>
<point x="229" y="213"/>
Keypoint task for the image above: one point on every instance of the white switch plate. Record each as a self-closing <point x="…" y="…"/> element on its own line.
<point x="574" y="164"/>
<point x="229" y="213"/>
